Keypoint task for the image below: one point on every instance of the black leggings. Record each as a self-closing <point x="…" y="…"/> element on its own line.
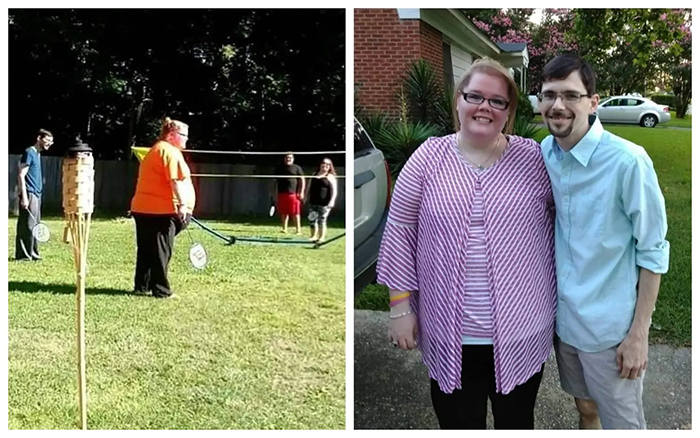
<point x="466" y="408"/>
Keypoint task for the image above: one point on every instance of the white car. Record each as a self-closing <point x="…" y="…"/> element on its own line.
<point x="372" y="193"/>
<point x="535" y="104"/>
<point x="630" y="109"/>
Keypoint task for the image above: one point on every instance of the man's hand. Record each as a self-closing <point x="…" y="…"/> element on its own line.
<point x="24" y="202"/>
<point x="301" y="196"/>
<point x="632" y="356"/>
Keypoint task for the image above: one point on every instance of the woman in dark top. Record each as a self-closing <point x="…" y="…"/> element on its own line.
<point x="323" y="190"/>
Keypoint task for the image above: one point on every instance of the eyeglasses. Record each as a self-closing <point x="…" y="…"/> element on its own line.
<point x="566" y="97"/>
<point x="477" y="99"/>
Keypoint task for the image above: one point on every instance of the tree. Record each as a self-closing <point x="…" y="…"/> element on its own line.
<point x="549" y="39"/>
<point x="677" y="63"/>
<point x="625" y="46"/>
<point x="243" y="79"/>
<point x="544" y="40"/>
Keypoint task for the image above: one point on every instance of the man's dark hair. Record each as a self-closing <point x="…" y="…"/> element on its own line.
<point x="563" y="65"/>
<point x="44" y="133"/>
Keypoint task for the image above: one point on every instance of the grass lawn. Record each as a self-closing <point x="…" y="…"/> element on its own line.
<point x="683" y="123"/>
<point x="670" y="150"/>
<point x="256" y="341"/>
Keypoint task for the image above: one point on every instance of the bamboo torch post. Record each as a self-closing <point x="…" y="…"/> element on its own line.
<point x="78" y="193"/>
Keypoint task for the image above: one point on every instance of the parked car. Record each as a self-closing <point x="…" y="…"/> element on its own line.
<point x="535" y="104"/>
<point x="629" y="109"/>
<point x="372" y="192"/>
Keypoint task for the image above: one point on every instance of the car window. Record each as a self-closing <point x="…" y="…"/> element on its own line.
<point x="630" y="102"/>
<point x="614" y="102"/>
<point x="362" y="141"/>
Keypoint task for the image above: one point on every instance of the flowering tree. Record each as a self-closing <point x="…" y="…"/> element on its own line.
<point x="549" y="39"/>
<point x="544" y="40"/>
<point x="631" y="48"/>
<point x="674" y="60"/>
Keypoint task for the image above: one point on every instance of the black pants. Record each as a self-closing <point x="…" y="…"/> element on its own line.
<point x="26" y="246"/>
<point x="155" y="237"/>
<point x="466" y="408"/>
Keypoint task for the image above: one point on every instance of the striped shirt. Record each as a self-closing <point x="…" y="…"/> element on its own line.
<point x="477" y="298"/>
<point x="424" y="250"/>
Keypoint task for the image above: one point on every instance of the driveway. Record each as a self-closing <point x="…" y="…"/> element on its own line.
<point x="392" y="391"/>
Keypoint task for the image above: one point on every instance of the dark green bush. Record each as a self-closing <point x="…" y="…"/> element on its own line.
<point x="524" y="127"/>
<point x="524" y="107"/>
<point x="664" y="99"/>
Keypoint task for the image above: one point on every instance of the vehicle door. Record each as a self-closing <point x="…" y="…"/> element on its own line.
<point x="630" y="110"/>
<point x="610" y="111"/>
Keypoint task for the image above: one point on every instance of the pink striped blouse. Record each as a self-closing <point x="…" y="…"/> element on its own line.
<point x="476" y="305"/>
<point x="424" y="250"/>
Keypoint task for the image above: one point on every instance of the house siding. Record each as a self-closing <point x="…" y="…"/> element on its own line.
<point x="384" y="47"/>
<point x="461" y="61"/>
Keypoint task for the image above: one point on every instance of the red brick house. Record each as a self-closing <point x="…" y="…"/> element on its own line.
<point x="388" y="40"/>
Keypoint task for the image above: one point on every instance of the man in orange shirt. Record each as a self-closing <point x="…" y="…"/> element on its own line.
<point x="161" y="207"/>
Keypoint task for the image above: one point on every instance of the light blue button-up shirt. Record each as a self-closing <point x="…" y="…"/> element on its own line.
<point x="611" y="221"/>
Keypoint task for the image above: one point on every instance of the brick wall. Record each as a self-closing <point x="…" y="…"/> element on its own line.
<point x="431" y="48"/>
<point x="384" y="46"/>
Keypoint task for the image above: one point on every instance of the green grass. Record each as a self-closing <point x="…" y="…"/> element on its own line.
<point x="683" y="123"/>
<point x="256" y="341"/>
<point x="670" y="150"/>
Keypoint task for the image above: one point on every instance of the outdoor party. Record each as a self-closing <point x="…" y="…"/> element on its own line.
<point x="176" y="231"/>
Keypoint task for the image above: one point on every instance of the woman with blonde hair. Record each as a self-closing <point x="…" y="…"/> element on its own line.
<point x="468" y="256"/>
<point x="161" y="207"/>
<point x="322" y="191"/>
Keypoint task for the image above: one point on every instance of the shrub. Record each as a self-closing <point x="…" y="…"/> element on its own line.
<point x="399" y="139"/>
<point x="524" y="127"/>
<point x="664" y="99"/>
<point x="524" y="107"/>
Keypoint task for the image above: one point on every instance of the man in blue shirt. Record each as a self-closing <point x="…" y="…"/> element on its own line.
<point x="610" y="249"/>
<point x="30" y="185"/>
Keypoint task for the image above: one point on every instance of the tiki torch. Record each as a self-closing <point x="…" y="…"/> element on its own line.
<point x="78" y="194"/>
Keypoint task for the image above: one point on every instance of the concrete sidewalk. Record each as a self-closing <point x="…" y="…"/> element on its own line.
<point x="392" y="390"/>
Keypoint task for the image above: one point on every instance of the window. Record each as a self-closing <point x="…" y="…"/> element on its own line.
<point x="363" y="145"/>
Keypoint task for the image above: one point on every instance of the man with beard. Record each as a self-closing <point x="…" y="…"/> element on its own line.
<point x="610" y="249"/>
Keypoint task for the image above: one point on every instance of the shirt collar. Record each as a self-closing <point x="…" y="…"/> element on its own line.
<point x="583" y="150"/>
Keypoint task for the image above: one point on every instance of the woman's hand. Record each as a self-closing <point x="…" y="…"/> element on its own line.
<point x="182" y="212"/>
<point x="403" y="330"/>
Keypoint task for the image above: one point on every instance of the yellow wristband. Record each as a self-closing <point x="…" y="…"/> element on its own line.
<point x="400" y="296"/>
